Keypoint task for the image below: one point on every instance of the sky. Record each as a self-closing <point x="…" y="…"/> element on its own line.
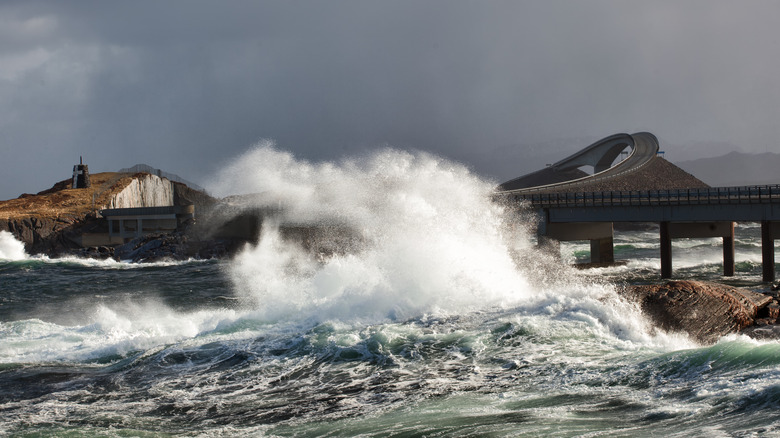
<point x="501" y="86"/>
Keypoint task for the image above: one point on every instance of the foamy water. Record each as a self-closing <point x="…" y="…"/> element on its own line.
<point x="440" y="317"/>
<point x="433" y="243"/>
<point x="10" y="248"/>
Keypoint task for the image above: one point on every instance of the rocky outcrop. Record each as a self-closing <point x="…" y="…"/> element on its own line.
<point x="41" y="234"/>
<point x="706" y="311"/>
<point x="52" y="221"/>
<point x="185" y="195"/>
<point x="174" y="246"/>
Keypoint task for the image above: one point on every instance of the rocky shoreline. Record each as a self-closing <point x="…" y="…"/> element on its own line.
<point x="707" y="311"/>
<point x="151" y="248"/>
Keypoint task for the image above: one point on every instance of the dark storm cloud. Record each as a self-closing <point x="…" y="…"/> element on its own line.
<point x="186" y="85"/>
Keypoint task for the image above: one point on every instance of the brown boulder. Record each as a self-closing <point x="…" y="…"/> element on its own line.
<point x="706" y="311"/>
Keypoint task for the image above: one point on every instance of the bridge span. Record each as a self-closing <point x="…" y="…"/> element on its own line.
<point x="568" y="211"/>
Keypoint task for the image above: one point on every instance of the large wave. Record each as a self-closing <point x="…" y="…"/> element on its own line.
<point x="432" y="242"/>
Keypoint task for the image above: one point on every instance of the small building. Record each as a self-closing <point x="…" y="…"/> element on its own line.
<point x="131" y="223"/>
<point x="81" y="175"/>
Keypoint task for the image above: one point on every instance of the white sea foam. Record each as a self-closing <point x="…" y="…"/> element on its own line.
<point x="111" y="331"/>
<point x="10" y="248"/>
<point x="433" y="243"/>
<point x="110" y="263"/>
<point x="431" y="238"/>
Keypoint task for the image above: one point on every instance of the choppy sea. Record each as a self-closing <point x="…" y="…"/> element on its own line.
<point x="445" y="321"/>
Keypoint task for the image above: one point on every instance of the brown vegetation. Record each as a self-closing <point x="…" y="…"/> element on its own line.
<point x="61" y="200"/>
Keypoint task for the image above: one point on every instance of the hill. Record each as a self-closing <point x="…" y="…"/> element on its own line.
<point x="54" y="219"/>
<point x="736" y="169"/>
<point x="659" y="174"/>
<point x="62" y="202"/>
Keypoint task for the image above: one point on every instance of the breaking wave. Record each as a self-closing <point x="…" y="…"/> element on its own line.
<point x="430" y="241"/>
<point x="10" y="248"/>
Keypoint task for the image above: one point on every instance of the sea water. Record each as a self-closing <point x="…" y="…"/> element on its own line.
<point x="441" y="318"/>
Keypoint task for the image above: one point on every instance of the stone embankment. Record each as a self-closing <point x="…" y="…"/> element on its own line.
<point x="707" y="311"/>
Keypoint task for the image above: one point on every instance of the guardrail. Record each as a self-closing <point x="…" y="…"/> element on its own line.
<point x="769" y="194"/>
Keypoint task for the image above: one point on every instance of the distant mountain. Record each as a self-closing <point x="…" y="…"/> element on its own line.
<point x="735" y="169"/>
<point x="154" y="171"/>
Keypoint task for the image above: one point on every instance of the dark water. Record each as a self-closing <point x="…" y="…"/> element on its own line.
<point x="107" y="349"/>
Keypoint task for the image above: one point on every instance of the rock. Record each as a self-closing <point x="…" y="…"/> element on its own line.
<point x="94" y="252"/>
<point x="154" y="247"/>
<point x="765" y="331"/>
<point x="774" y="310"/>
<point x="706" y="311"/>
<point x="144" y="190"/>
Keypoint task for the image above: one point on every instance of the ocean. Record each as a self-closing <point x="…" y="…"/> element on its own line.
<point x="441" y="319"/>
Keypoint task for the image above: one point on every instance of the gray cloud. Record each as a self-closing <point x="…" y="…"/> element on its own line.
<point x="186" y="85"/>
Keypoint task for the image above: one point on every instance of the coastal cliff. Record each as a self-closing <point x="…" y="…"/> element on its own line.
<point x="48" y="221"/>
<point x="143" y="190"/>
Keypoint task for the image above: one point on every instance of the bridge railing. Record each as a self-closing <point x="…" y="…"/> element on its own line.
<point x="714" y="195"/>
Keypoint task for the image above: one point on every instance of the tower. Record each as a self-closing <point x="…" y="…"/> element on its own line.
<point x="81" y="175"/>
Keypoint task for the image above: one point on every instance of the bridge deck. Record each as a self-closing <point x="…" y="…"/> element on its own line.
<point x="670" y="208"/>
<point x="753" y="203"/>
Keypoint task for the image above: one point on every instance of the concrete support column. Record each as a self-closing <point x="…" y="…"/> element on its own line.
<point x="122" y="228"/>
<point x="666" y="251"/>
<point x="602" y="250"/>
<point x="728" y="253"/>
<point x="549" y="245"/>
<point x="767" y="251"/>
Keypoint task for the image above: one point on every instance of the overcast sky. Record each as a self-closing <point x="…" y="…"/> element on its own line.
<point x="188" y="85"/>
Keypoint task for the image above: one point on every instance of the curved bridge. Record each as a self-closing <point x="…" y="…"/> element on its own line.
<point x="570" y="209"/>
<point x="600" y="155"/>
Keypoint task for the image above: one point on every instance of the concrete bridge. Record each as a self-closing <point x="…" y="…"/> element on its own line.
<point x="568" y="211"/>
<point x="600" y="155"/>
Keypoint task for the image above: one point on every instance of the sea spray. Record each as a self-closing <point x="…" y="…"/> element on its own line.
<point x="432" y="239"/>
<point x="10" y="248"/>
<point x="434" y="243"/>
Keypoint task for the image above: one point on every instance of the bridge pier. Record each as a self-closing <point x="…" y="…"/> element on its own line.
<point x="602" y="250"/>
<point x="728" y="253"/>
<point x="666" y="250"/>
<point x="696" y="212"/>
<point x="600" y="235"/>
<point x="551" y="246"/>
<point x="676" y="230"/>
<point x="767" y="251"/>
